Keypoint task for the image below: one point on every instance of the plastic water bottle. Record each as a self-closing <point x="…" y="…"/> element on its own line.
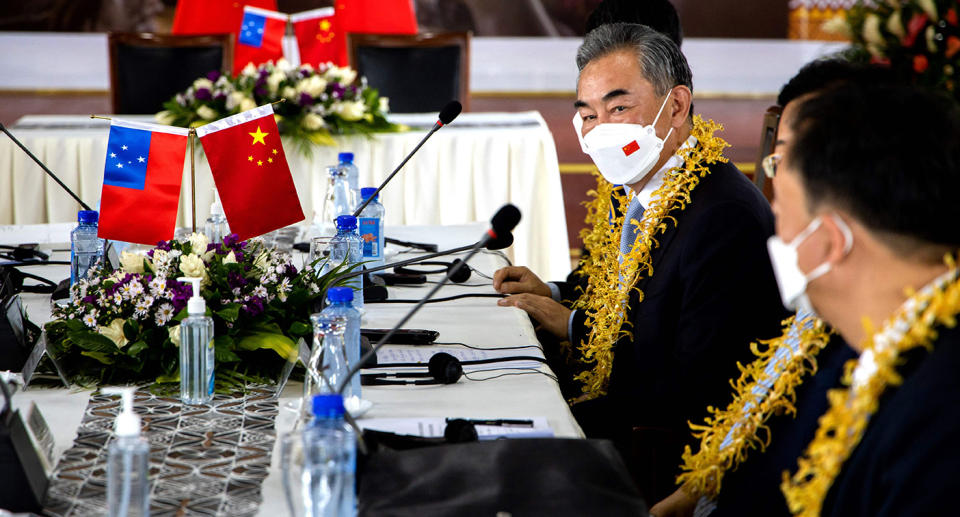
<point x="341" y="305"/>
<point x="371" y="228"/>
<point x="347" y="246"/>
<point x="86" y="249"/>
<point x="339" y="200"/>
<point x="352" y="174"/>
<point x="216" y="227"/>
<point x="196" y="350"/>
<point x="329" y="464"/>
<point x="328" y="358"/>
<point x="128" y="483"/>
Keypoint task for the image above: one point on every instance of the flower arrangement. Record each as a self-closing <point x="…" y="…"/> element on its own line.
<point x="123" y="326"/>
<point x="320" y="102"/>
<point x="919" y="39"/>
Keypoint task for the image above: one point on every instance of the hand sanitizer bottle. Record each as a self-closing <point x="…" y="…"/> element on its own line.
<point x="196" y="350"/>
<point x="216" y="227"/>
<point x="128" y="485"/>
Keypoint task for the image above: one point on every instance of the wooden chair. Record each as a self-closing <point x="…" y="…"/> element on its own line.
<point x="768" y="142"/>
<point x="148" y="69"/>
<point x="419" y="73"/>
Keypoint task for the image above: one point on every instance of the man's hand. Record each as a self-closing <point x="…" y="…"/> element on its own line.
<point x="678" y="504"/>
<point x="518" y="279"/>
<point x="550" y="314"/>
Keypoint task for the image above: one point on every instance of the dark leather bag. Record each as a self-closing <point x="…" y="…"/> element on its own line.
<point x="551" y="476"/>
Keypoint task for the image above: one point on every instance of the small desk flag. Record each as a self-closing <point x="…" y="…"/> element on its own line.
<point x="251" y="172"/>
<point x="377" y="16"/>
<point x="260" y="38"/>
<point x="213" y="16"/>
<point x="141" y="182"/>
<point x="320" y="37"/>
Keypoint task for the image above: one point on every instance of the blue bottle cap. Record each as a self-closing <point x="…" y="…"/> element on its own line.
<point x="366" y="192"/>
<point x="340" y="294"/>
<point x="88" y="216"/>
<point x="345" y="157"/>
<point x="346" y="222"/>
<point x="328" y="406"/>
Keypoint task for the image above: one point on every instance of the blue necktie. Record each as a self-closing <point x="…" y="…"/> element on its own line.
<point x="634" y="211"/>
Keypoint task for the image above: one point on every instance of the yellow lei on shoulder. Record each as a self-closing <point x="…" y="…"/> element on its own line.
<point x="744" y="420"/>
<point x="868" y="376"/>
<point x="605" y="301"/>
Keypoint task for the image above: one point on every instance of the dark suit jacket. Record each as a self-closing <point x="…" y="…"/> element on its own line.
<point x="712" y="292"/>
<point x="906" y="462"/>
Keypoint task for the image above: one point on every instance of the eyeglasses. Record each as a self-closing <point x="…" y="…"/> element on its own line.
<point x="770" y="164"/>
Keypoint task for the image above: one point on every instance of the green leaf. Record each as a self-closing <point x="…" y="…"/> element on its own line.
<point x="223" y="350"/>
<point x="182" y="315"/>
<point x="131" y="329"/>
<point x="257" y="340"/>
<point x="135" y="349"/>
<point x="299" y="328"/>
<point x="92" y="341"/>
<point x="230" y="312"/>
<point x="174" y="377"/>
<point x="99" y="356"/>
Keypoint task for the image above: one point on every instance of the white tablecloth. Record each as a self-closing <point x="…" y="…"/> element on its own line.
<point x="473" y="321"/>
<point x="464" y="173"/>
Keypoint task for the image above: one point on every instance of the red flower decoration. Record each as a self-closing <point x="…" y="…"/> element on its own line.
<point x="951" y="16"/>
<point x="914" y="28"/>
<point x="920" y="63"/>
<point x="953" y="45"/>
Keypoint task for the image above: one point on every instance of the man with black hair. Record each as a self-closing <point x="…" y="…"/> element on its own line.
<point x="659" y="15"/>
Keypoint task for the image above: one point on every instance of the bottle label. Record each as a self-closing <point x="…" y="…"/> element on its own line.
<point x="370" y="233"/>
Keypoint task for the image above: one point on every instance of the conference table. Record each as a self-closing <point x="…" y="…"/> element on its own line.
<point x="464" y="173"/>
<point x="478" y="322"/>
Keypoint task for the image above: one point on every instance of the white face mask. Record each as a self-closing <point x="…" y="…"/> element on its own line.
<point x="791" y="281"/>
<point x="624" y="153"/>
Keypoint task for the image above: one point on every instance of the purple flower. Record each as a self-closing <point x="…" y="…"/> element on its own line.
<point x="235" y="280"/>
<point x="202" y="94"/>
<point x="263" y="75"/>
<point x="291" y="271"/>
<point x="220" y="96"/>
<point x="231" y="239"/>
<point x="337" y="90"/>
<point x="253" y="306"/>
<point x="162" y="245"/>
<point x="306" y="99"/>
<point x="260" y="91"/>
<point x="213" y="75"/>
<point x="89" y="299"/>
<point x="304" y="73"/>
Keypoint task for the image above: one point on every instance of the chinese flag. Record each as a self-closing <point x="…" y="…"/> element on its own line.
<point x="260" y="38"/>
<point x="377" y="16"/>
<point x="319" y="37"/>
<point x="251" y="172"/>
<point x="213" y="16"/>
<point x="141" y="182"/>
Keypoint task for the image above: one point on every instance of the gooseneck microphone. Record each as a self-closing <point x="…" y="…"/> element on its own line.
<point x="447" y="114"/>
<point x="45" y="169"/>
<point x="503" y="222"/>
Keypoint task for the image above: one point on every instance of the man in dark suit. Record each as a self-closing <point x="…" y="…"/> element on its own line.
<point x="710" y="289"/>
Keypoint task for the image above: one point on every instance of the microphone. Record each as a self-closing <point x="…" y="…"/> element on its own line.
<point x="502" y="223"/>
<point x="447" y="114"/>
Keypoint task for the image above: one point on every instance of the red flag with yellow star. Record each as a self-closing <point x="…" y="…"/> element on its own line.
<point x="251" y="172"/>
<point x="319" y="37"/>
<point x="377" y="16"/>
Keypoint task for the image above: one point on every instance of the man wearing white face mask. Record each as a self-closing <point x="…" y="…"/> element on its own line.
<point x="675" y="288"/>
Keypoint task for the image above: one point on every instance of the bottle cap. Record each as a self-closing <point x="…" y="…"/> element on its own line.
<point x="345" y="157"/>
<point x="340" y="294"/>
<point x="366" y="192"/>
<point x="346" y="222"/>
<point x="333" y="170"/>
<point x="88" y="216"/>
<point x="196" y="304"/>
<point x="128" y="422"/>
<point x="328" y="406"/>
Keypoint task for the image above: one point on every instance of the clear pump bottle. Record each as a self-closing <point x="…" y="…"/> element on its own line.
<point x="216" y="227"/>
<point x="196" y="350"/>
<point x="128" y="484"/>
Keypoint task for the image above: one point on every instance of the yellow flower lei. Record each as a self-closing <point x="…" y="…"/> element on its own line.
<point x="844" y="423"/>
<point x="605" y="300"/>
<point x="746" y="416"/>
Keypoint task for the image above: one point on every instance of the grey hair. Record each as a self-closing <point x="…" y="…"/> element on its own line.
<point x="661" y="61"/>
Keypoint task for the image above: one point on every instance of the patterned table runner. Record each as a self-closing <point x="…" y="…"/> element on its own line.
<point x="204" y="460"/>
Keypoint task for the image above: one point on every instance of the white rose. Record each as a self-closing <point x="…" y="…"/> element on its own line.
<point x="164" y="117"/>
<point x="384" y="105"/>
<point x="174" y="333"/>
<point x="871" y="30"/>
<point x="247" y="104"/>
<point x="313" y="122"/>
<point x="895" y="24"/>
<point x="206" y="113"/>
<point x="284" y="65"/>
<point x="203" y="82"/>
<point x="274" y="80"/>
<point x="131" y="262"/>
<point x="929" y="7"/>
<point x="261" y="261"/>
<point x="114" y="332"/>
<point x="306" y="67"/>
<point x="289" y="93"/>
<point x="198" y="243"/>
<point x="230" y="258"/>
<point x="249" y="70"/>
<point x="234" y="100"/>
<point x="313" y="85"/>
<point x="347" y="75"/>
<point x="192" y="266"/>
<point x="349" y="110"/>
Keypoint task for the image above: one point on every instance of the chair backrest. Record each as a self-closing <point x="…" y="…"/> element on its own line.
<point x="419" y="73"/>
<point x="148" y="69"/>
<point x="768" y="142"/>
